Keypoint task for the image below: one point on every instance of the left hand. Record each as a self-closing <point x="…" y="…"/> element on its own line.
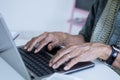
<point x="80" y="53"/>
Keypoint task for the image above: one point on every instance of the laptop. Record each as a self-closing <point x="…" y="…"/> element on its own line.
<point x="29" y="65"/>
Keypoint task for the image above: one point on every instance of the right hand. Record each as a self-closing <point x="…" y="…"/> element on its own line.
<point x="51" y="39"/>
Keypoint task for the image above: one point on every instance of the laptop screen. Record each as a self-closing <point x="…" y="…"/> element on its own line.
<point x="8" y="51"/>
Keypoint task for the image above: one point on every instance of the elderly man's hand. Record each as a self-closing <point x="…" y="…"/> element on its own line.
<point x="51" y="39"/>
<point x="80" y="53"/>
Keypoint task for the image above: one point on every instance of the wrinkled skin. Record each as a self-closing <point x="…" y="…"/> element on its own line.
<point x="75" y="48"/>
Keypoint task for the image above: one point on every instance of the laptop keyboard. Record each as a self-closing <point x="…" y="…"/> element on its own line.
<point x="38" y="63"/>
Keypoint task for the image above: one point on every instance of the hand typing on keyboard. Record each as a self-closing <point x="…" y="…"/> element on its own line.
<point x="52" y="39"/>
<point x="73" y="46"/>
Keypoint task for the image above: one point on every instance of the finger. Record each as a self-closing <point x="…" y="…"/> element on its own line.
<point x="76" y="55"/>
<point x="42" y="44"/>
<point x="71" y="63"/>
<point x="73" y="53"/>
<point x="30" y="45"/>
<point x="52" y="45"/>
<point x="26" y="45"/>
<point x="38" y="40"/>
<point x="60" y="54"/>
<point x="81" y="58"/>
<point x="61" y="61"/>
<point x="76" y="52"/>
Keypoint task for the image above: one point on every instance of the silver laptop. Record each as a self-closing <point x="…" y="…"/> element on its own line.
<point x="12" y="56"/>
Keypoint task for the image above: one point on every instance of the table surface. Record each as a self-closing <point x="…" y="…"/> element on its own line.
<point x="99" y="72"/>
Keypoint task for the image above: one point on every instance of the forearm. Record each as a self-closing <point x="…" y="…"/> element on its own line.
<point x="106" y="55"/>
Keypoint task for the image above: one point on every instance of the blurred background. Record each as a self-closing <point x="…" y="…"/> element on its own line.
<point x="45" y="15"/>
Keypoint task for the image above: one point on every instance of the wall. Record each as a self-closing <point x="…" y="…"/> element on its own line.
<point x="29" y="15"/>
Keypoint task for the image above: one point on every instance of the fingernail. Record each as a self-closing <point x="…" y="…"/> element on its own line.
<point x="54" y="66"/>
<point x="36" y="51"/>
<point x="28" y="49"/>
<point x="50" y="64"/>
<point x="66" y="68"/>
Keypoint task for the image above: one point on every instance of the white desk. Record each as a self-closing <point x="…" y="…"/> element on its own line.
<point x="99" y="72"/>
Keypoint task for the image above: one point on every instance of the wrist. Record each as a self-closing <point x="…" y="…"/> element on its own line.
<point x="113" y="56"/>
<point x="107" y="52"/>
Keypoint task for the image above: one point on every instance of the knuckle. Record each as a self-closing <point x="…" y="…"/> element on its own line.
<point x="34" y="39"/>
<point x="45" y="40"/>
<point x="72" y="47"/>
<point x="74" y="60"/>
<point x="67" y="56"/>
<point x="75" y="46"/>
<point x="46" y="33"/>
<point x="43" y="35"/>
<point x="50" y="35"/>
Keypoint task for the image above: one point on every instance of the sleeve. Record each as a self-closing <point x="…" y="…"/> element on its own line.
<point x="87" y="29"/>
